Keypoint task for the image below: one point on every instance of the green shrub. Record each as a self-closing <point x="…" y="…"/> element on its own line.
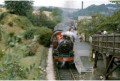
<point x="3" y="15"/>
<point x="30" y="53"/>
<point x="10" y="24"/>
<point x="11" y="39"/>
<point x="29" y="34"/>
<point x="18" y="39"/>
<point x="50" y="24"/>
<point x="23" y="22"/>
<point x="0" y="32"/>
<point x="12" y="72"/>
<point x="11" y="34"/>
<point x="1" y="54"/>
<point x="44" y="36"/>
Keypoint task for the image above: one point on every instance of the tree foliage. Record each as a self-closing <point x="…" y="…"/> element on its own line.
<point x="46" y="9"/>
<point x="57" y="14"/>
<point x="44" y="35"/>
<point x="100" y="22"/>
<point x="42" y="20"/>
<point x="19" y="7"/>
<point x="117" y="2"/>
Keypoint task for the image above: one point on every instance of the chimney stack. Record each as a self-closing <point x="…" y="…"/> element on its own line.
<point x="82" y="4"/>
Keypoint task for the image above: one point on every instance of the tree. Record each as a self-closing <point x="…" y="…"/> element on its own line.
<point x="19" y="7"/>
<point x="57" y="14"/>
<point x="112" y="22"/>
<point x="115" y="1"/>
<point x="100" y="22"/>
<point x="45" y="21"/>
<point x="46" y="9"/>
<point x="91" y="26"/>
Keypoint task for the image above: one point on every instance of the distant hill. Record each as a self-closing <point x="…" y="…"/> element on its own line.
<point x="107" y="9"/>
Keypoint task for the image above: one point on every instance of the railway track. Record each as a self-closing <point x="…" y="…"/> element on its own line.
<point x="67" y="73"/>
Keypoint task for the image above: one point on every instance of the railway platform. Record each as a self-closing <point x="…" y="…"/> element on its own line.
<point x="84" y="66"/>
<point x="81" y="59"/>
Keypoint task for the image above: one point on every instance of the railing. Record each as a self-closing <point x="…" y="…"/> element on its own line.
<point x="106" y="43"/>
<point x="109" y="47"/>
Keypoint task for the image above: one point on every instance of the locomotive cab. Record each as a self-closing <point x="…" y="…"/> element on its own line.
<point x="55" y="39"/>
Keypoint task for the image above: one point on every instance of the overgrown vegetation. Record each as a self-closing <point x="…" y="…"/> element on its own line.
<point x="43" y="33"/>
<point x="57" y="14"/>
<point x="40" y="19"/>
<point x="12" y="19"/>
<point x="29" y="34"/>
<point x="46" y="9"/>
<point x="3" y="15"/>
<point x="44" y="36"/>
<point x="14" y="66"/>
<point x="1" y="54"/>
<point x="104" y="9"/>
<point x="100" y="22"/>
<point x="19" y="7"/>
<point x="11" y="59"/>
<point x="24" y="38"/>
<point x="23" y="22"/>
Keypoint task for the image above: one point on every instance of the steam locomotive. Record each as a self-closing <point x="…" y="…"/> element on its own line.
<point x="62" y="48"/>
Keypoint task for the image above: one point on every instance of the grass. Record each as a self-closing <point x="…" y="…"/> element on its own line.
<point x="22" y="22"/>
<point x="18" y="21"/>
<point x="33" y="63"/>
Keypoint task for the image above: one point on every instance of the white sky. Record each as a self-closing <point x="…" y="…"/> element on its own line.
<point x="67" y="3"/>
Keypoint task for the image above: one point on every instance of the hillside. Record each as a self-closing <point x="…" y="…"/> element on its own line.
<point x="20" y="58"/>
<point x="107" y="9"/>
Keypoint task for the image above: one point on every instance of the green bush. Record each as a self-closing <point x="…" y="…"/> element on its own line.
<point x="3" y="15"/>
<point x="29" y="53"/>
<point x="11" y="39"/>
<point x="50" y="24"/>
<point x="23" y="22"/>
<point x="0" y="32"/>
<point x="1" y="54"/>
<point x="44" y="36"/>
<point x="19" y="7"/>
<point x="10" y="24"/>
<point x="29" y="34"/>
<point x="12" y="72"/>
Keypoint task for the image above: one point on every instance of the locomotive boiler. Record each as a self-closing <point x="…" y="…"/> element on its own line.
<point x="62" y="48"/>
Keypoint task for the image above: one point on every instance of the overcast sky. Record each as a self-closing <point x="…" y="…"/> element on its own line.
<point x="67" y="3"/>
